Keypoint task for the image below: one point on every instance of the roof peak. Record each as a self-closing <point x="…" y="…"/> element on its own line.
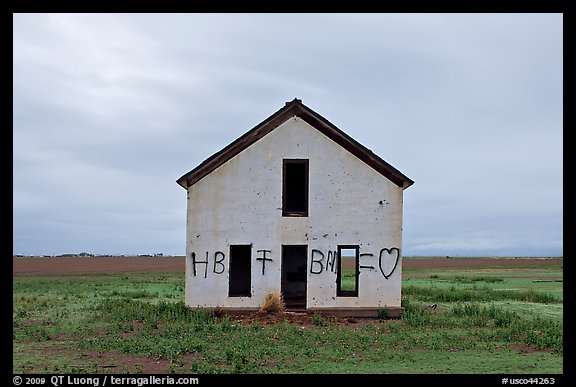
<point x="294" y="101"/>
<point x="298" y="109"/>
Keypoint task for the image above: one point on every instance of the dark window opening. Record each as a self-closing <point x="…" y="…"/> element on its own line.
<point x="348" y="270"/>
<point x="295" y="187"/>
<point x="240" y="271"/>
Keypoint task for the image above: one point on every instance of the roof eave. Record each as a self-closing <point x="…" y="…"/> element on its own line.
<point x="354" y="147"/>
<point x="241" y="143"/>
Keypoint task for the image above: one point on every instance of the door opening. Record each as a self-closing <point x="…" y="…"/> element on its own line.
<point x="294" y="263"/>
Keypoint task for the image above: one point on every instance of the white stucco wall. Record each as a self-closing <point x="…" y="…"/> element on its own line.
<point x="241" y="203"/>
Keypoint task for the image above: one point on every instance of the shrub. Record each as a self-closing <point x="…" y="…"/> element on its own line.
<point x="273" y="303"/>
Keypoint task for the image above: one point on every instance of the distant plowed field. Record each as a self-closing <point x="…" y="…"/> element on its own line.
<point x="74" y="265"/>
<point x="77" y="265"/>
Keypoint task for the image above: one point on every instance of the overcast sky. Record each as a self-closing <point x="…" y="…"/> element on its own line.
<point x="110" y="109"/>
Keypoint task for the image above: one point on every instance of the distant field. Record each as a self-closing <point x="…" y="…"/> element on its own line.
<point x="77" y="265"/>
<point x="81" y="265"/>
<point x="492" y="317"/>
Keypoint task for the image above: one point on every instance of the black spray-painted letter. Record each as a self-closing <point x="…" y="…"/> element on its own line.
<point x="219" y="262"/>
<point x="263" y="258"/>
<point x="318" y="261"/>
<point x="195" y="262"/>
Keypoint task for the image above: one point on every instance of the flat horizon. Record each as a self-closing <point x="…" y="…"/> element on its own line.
<point x="73" y="255"/>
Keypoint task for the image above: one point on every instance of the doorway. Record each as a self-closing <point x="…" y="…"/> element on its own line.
<point x="294" y="264"/>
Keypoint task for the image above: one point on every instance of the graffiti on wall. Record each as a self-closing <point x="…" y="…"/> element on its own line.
<point x="388" y="259"/>
<point x="385" y="258"/>
<point x="263" y="259"/>
<point x="200" y="266"/>
<point x="218" y="266"/>
<point x="320" y="261"/>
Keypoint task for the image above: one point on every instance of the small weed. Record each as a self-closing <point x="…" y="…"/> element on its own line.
<point x="417" y="317"/>
<point x="383" y="313"/>
<point x="317" y="319"/>
<point x="125" y="326"/>
<point x="332" y="320"/>
<point x="35" y="333"/>
<point x="240" y="363"/>
<point x="204" y="367"/>
<point x="226" y="324"/>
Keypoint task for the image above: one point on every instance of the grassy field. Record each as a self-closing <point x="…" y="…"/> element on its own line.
<point x="492" y="320"/>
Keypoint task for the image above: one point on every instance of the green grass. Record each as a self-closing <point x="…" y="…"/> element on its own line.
<point x="528" y="309"/>
<point x="484" y="293"/>
<point x="486" y="321"/>
<point x="348" y="280"/>
<point x="546" y="280"/>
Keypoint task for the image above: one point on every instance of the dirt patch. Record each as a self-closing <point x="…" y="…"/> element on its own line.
<point x="296" y="318"/>
<point x="109" y="362"/>
<point x="302" y="320"/>
<point x="481" y="262"/>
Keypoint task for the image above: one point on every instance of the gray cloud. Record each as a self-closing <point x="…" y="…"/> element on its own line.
<point x="110" y="109"/>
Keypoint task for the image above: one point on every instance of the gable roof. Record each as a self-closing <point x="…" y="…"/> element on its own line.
<point x="298" y="109"/>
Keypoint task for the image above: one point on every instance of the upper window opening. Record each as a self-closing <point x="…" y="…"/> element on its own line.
<point x="295" y="187"/>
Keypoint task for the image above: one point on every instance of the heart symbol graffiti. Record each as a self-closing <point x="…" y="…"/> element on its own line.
<point x="391" y="252"/>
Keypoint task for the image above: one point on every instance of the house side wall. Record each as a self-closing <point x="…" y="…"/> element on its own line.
<point x="241" y="203"/>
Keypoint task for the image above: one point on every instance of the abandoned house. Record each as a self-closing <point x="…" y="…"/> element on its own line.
<point x="298" y="206"/>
